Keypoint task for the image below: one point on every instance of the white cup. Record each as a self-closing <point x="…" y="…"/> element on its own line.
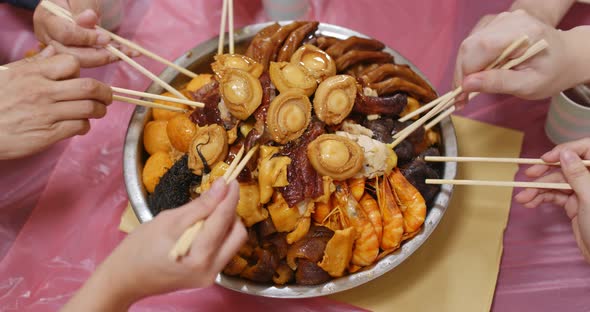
<point x="286" y="10"/>
<point x="567" y="120"/>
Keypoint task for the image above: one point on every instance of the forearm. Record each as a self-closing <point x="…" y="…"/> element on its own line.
<point x="549" y="11"/>
<point x="577" y="42"/>
<point x="100" y="293"/>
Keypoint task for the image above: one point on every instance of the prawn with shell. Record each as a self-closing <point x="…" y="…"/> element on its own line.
<point x="324" y="195"/>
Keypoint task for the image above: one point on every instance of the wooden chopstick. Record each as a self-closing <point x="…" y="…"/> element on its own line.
<point x="146" y="72"/>
<point x="158" y="97"/>
<point x="439" y="118"/>
<point x="519" y="161"/>
<point x="227" y="15"/>
<point x="183" y="244"/>
<point x="231" y="26"/>
<point x="502" y="57"/>
<point x="539" y="185"/>
<point x="242" y="163"/>
<point x="147" y="95"/>
<point x="133" y="45"/>
<point x="148" y="53"/>
<point x="59" y="11"/>
<point x="531" y="51"/>
<point x="148" y="104"/>
<point x="234" y="163"/>
<point x="221" y="42"/>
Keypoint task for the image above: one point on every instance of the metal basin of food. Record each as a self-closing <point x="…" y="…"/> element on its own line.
<point x="198" y="60"/>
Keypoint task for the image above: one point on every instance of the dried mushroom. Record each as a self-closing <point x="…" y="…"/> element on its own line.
<point x="286" y="76"/>
<point x="335" y="156"/>
<point x="236" y="61"/>
<point x="241" y="92"/>
<point x="334" y="99"/>
<point x="319" y="63"/>
<point x="209" y="147"/>
<point x="288" y="116"/>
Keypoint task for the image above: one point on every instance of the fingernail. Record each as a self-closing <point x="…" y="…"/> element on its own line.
<point x="47" y="52"/>
<point x="472" y="83"/>
<point x="103" y="38"/>
<point x="218" y="188"/>
<point x="568" y="157"/>
<point x="87" y="14"/>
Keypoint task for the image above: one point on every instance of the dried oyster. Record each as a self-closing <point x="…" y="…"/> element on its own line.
<point x="335" y="156"/>
<point x="288" y="116"/>
<point x="287" y="76"/>
<point x="236" y="61"/>
<point x="208" y="147"/>
<point x="334" y="99"/>
<point x="319" y="63"/>
<point x="241" y="92"/>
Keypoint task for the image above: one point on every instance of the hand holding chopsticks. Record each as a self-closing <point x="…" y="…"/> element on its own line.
<point x="446" y="101"/>
<point x="557" y="180"/>
<point x="182" y="246"/>
<point x="63" y="13"/>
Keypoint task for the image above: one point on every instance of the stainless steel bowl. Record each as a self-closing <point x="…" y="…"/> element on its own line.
<point x="198" y="59"/>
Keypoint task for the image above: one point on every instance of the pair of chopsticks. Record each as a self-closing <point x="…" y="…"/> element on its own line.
<point x="149" y="96"/>
<point x="183" y="244"/>
<point x="227" y="9"/>
<point x="62" y="12"/>
<point x="444" y="105"/>
<point x="520" y="161"/>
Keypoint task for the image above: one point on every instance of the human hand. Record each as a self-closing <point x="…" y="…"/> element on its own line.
<point x="576" y="202"/>
<point x="43" y="102"/>
<point x="80" y="39"/>
<point x="140" y="266"/>
<point x="549" y="72"/>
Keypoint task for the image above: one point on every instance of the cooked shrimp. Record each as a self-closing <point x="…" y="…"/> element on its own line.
<point x="393" y="221"/>
<point x="366" y="245"/>
<point x="357" y="187"/>
<point x="371" y="209"/>
<point x="412" y="203"/>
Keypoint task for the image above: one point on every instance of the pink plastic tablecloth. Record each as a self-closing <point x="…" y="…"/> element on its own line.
<point x="59" y="210"/>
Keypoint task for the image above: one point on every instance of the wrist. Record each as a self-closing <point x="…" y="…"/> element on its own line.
<point x="105" y="290"/>
<point x="549" y="12"/>
<point x="577" y="46"/>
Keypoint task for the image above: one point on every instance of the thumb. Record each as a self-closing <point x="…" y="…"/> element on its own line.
<point x="576" y="174"/>
<point x="79" y="6"/>
<point x="503" y="81"/>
